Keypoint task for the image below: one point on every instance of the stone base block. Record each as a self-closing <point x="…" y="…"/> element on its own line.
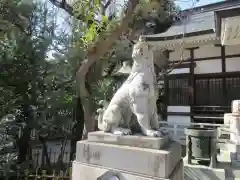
<point x="236" y="106"/>
<point x="236" y="164"/>
<point x="230" y="117"/>
<point x="136" y="141"/>
<point x="82" y="171"/>
<point x="150" y="162"/>
<point x="197" y="172"/>
<point x="225" y="171"/>
<point x="235" y="156"/>
<point x="232" y="147"/>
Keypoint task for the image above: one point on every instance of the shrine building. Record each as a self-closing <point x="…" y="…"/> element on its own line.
<point x="206" y="79"/>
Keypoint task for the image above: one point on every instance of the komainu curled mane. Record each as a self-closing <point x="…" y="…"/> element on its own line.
<point x="137" y="96"/>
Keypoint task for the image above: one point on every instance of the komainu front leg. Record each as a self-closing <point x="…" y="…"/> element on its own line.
<point x="155" y="121"/>
<point x="152" y="109"/>
<point x="154" y="116"/>
<point x="122" y="131"/>
<point x="155" y="124"/>
<point x="111" y="121"/>
<point x="141" y="110"/>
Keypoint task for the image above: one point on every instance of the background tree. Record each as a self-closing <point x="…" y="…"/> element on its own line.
<point x="34" y="72"/>
<point x="40" y="61"/>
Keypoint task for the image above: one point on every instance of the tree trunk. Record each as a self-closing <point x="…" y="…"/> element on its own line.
<point x="23" y="144"/>
<point x="87" y="105"/>
<point x="45" y="151"/>
<point x="59" y="163"/>
<point x="23" y="141"/>
<point x="77" y="130"/>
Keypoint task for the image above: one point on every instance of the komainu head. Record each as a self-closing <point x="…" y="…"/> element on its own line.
<point x="142" y="50"/>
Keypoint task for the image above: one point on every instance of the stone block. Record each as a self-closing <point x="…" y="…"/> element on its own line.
<point x="229" y="117"/>
<point x="197" y="172"/>
<point x="236" y="164"/>
<point x="151" y="162"/>
<point x="136" y="141"/>
<point x="232" y="147"/>
<point x="235" y="125"/>
<point x="225" y="170"/>
<point x="236" y="106"/>
<point x="82" y="171"/>
<point x="235" y="157"/>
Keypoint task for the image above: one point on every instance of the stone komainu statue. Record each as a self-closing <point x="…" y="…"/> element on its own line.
<point x="137" y="96"/>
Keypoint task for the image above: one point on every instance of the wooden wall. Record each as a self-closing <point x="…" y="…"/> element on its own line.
<point x="205" y="83"/>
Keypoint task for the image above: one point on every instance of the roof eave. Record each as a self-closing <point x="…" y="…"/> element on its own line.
<point x="197" y="33"/>
<point x="187" y="42"/>
<point x="219" y="15"/>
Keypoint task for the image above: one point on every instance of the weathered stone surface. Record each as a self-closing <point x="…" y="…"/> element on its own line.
<point x="236" y="106"/>
<point x="135" y="141"/>
<point x="201" y="132"/>
<point x="137" y="95"/>
<point x="82" y="171"/>
<point x="178" y="172"/>
<point x="232" y="121"/>
<point x="232" y="147"/>
<point x="228" y="117"/>
<point x="194" y="172"/>
<point x="225" y="170"/>
<point x="151" y="162"/>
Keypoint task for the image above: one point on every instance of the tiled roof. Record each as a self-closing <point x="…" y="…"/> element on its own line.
<point x="202" y="22"/>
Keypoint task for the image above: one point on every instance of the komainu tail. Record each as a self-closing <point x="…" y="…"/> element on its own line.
<point x="100" y="112"/>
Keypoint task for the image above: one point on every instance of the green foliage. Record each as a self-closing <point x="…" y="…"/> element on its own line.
<point x="97" y="21"/>
<point x="91" y="27"/>
<point x="28" y="75"/>
<point x="34" y="71"/>
<point x="8" y="154"/>
<point x="14" y="16"/>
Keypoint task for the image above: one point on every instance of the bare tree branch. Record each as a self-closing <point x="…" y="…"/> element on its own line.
<point x="107" y="41"/>
<point x="63" y="5"/>
<point x="68" y="8"/>
<point x="107" y="4"/>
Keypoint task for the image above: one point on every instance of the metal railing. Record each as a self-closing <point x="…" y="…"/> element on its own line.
<point x="41" y="175"/>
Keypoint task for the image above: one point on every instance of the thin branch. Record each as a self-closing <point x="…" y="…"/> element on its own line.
<point x="107" y="41"/>
<point x="107" y="4"/>
<point x="63" y="5"/>
<point x="68" y="8"/>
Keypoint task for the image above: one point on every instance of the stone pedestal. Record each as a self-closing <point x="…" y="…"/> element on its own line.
<point x="197" y="172"/>
<point x="128" y="157"/>
<point x="232" y="122"/>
